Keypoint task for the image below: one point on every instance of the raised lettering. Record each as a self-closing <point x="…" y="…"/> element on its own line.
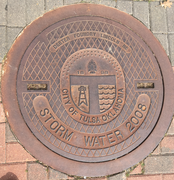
<point x="104" y="118"/>
<point x="51" y="117"/>
<point x="88" y="141"/>
<point x="108" y="116"/>
<point x="96" y="142"/>
<point x="118" y="134"/>
<point x="68" y="102"/>
<point x="54" y="125"/>
<point x="110" y="138"/>
<point x="102" y="139"/>
<point x="44" y="112"/>
<point x="61" y="129"/>
<point x="67" y="136"/>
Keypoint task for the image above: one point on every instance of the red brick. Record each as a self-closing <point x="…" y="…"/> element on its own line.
<point x="16" y="153"/>
<point x="2" y="114"/>
<point x="0" y="80"/>
<point x="2" y="143"/>
<point x="157" y="151"/>
<point x="168" y="177"/>
<point x="137" y="170"/>
<point x="145" y="177"/>
<point x="167" y="145"/>
<point x="37" y="172"/>
<point x="15" y="170"/>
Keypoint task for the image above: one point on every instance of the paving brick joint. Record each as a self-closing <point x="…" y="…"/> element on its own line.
<point x="14" y="16"/>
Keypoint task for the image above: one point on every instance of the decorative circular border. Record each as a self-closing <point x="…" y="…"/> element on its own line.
<point x="29" y="141"/>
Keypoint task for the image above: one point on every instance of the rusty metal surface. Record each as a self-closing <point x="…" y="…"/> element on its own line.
<point x="92" y="89"/>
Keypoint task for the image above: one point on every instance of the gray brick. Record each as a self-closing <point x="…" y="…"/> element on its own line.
<point x="159" y="164"/>
<point x="120" y="176"/>
<point x="110" y="3"/>
<point x="37" y="172"/>
<point x="12" y="33"/>
<point x="9" y="135"/>
<point x="53" y="174"/>
<point x="170" y="17"/>
<point x="67" y="2"/>
<point x="171" y="49"/>
<point x="141" y="12"/>
<point x="3" y="12"/>
<point x="144" y="0"/>
<point x="163" y="40"/>
<point x="87" y="1"/>
<point x="125" y="6"/>
<point x="2" y="43"/>
<point x="158" y="18"/>
<point x="16" y="13"/>
<point x="53" y="4"/>
<point x="34" y="9"/>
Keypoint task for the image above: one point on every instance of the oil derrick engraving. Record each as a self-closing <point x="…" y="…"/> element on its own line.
<point x="82" y="96"/>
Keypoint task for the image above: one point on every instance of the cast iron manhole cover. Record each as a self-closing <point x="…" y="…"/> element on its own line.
<point x="87" y="89"/>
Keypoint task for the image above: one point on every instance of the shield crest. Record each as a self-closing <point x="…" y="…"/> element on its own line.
<point x="93" y="94"/>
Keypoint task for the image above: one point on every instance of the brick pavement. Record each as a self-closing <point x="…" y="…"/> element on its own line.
<point x="15" y="161"/>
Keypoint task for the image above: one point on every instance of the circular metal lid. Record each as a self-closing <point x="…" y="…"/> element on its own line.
<point x="87" y="87"/>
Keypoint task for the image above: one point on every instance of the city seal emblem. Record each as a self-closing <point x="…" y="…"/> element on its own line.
<point x="92" y="86"/>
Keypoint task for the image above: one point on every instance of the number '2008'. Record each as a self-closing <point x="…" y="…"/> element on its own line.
<point x="134" y="120"/>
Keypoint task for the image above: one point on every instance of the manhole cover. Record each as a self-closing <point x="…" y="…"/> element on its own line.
<point x="87" y="89"/>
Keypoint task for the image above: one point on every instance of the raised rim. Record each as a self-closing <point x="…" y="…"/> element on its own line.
<point x="30" y="142"/>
